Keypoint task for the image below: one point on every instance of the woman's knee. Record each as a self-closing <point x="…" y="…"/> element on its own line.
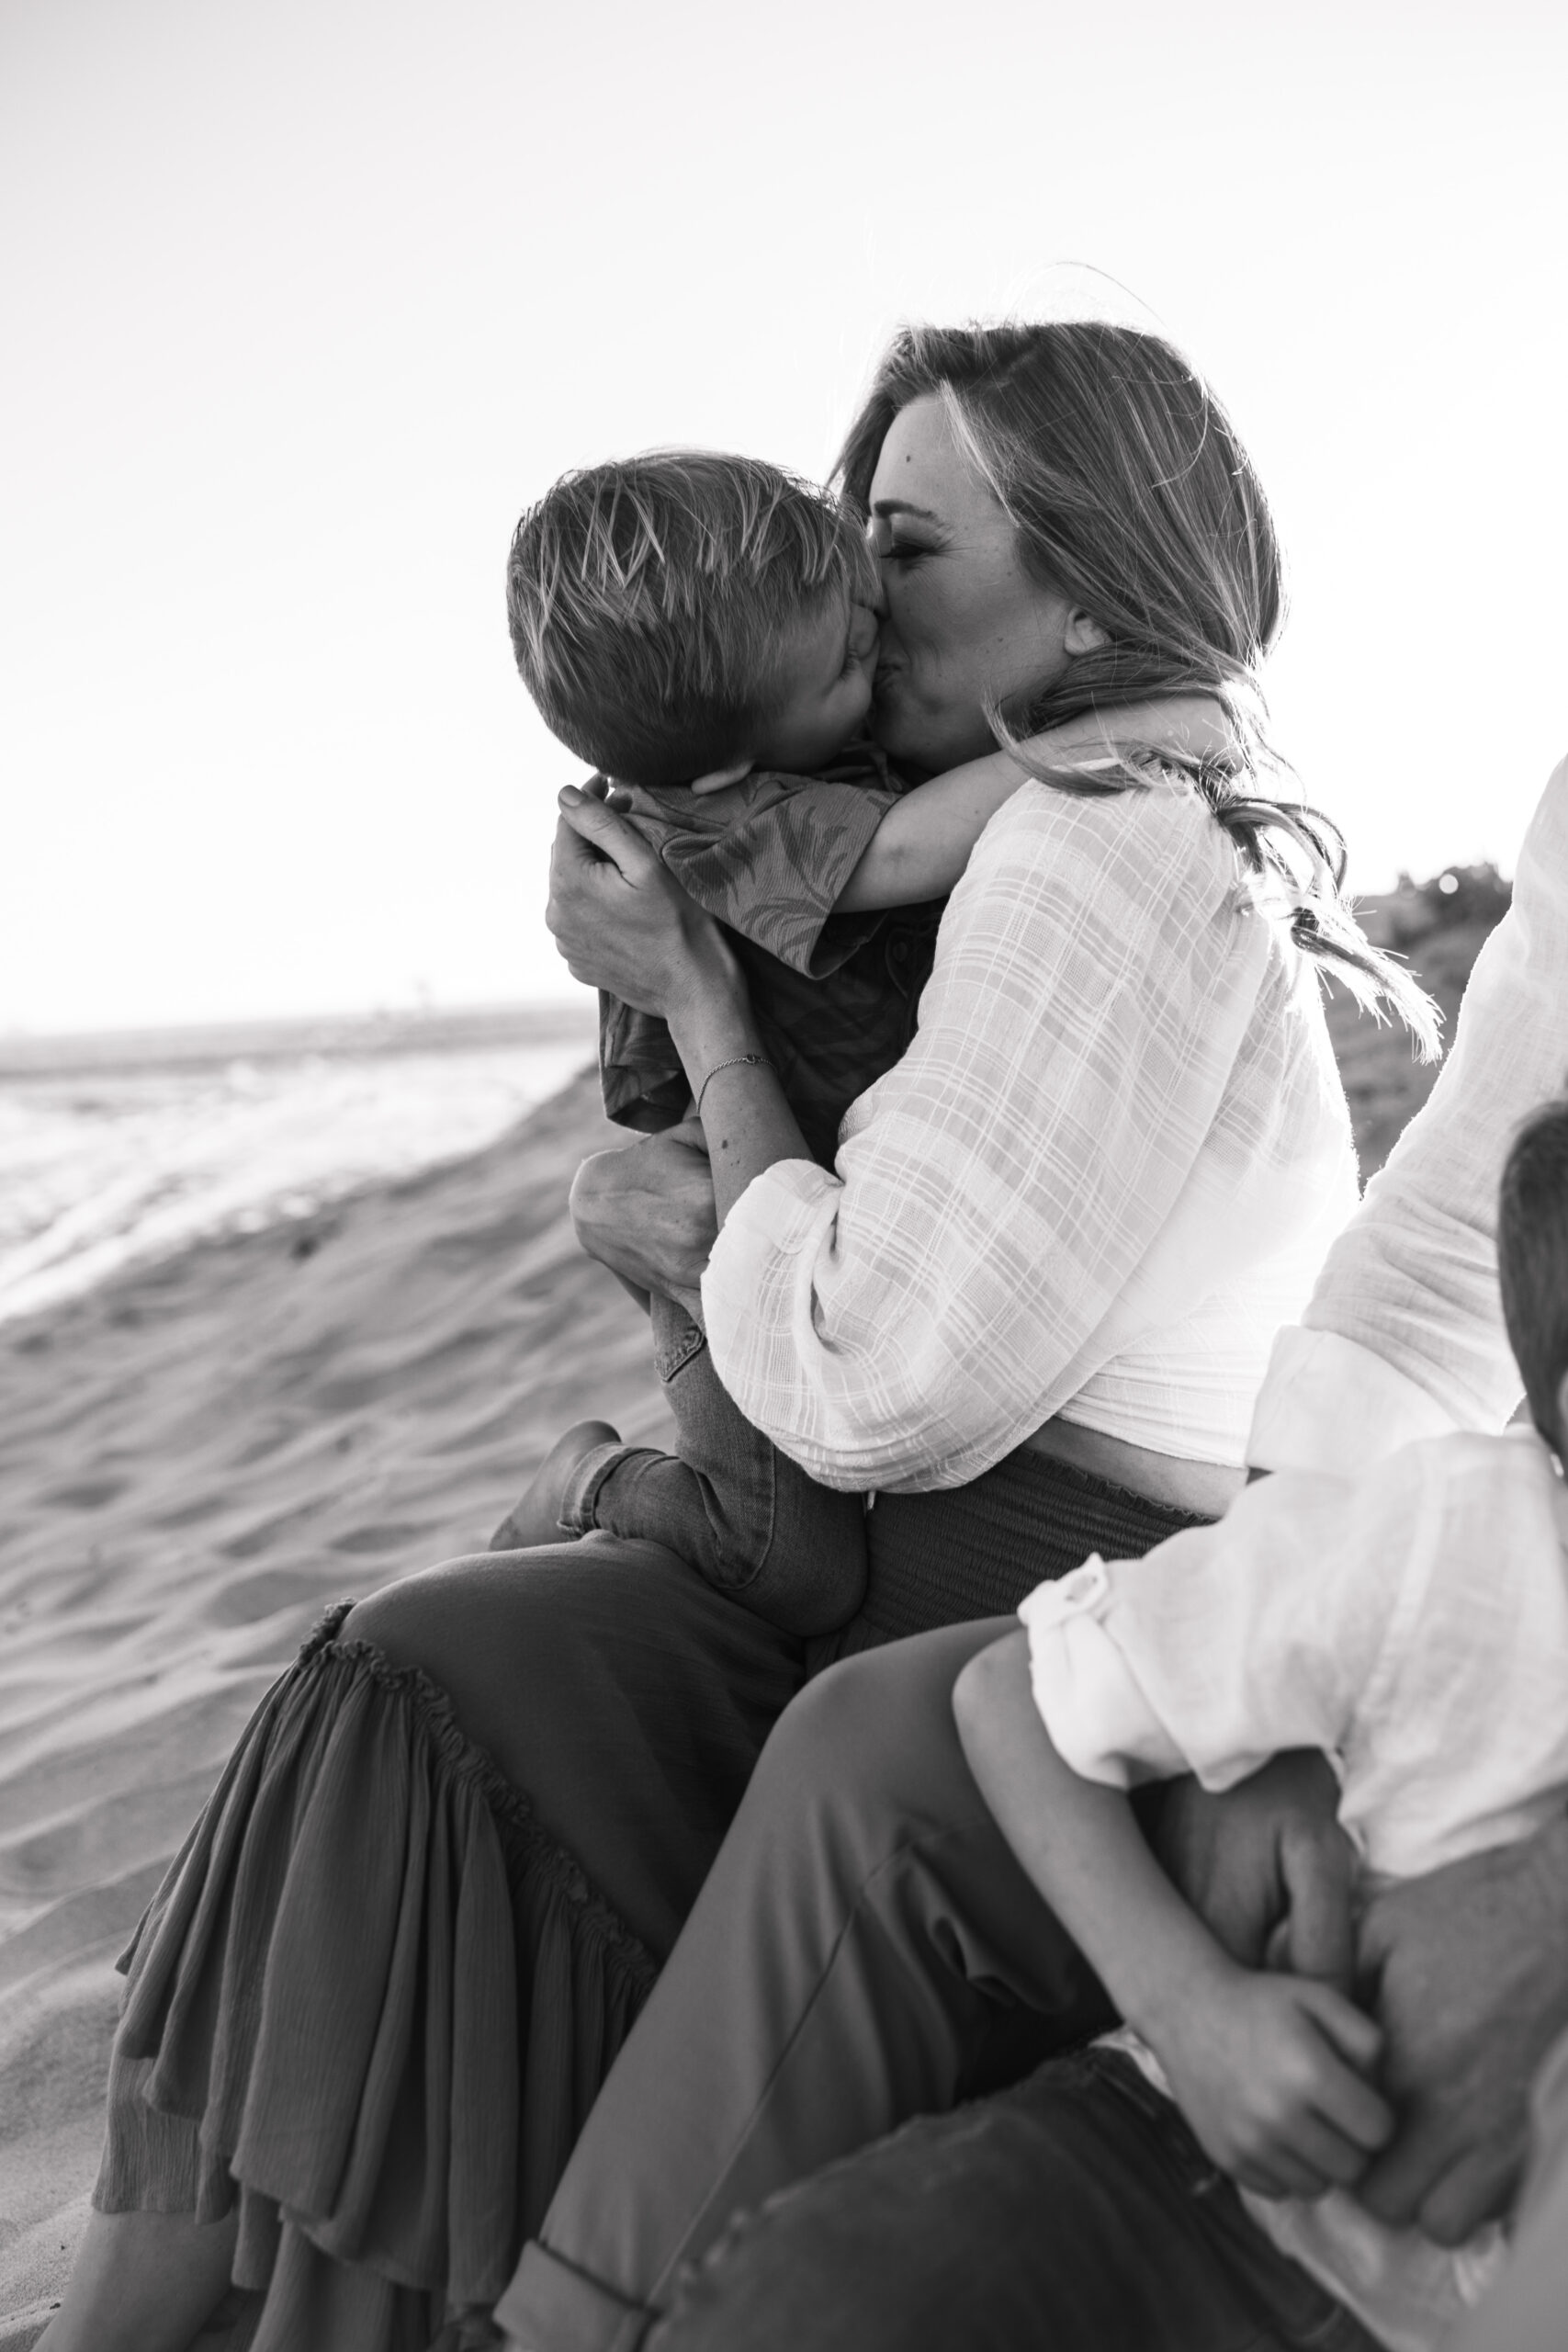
<point x="428" y="1619"/>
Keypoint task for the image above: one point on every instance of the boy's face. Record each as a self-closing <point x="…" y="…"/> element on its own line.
<point x="824" y="689"/>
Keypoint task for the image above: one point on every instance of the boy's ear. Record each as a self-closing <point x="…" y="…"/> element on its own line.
<point x="721" y="776"/>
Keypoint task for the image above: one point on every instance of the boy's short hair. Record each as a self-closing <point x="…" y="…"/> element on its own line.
<point x="1532" y="1261"/>
<point x="648" y="599"/>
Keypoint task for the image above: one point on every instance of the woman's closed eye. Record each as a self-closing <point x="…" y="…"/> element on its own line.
<point x="893" y="545"/>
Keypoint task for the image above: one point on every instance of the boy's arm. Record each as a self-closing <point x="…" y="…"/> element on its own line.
<point x="1268" y="2069"/>
<point x="922" y="845"/>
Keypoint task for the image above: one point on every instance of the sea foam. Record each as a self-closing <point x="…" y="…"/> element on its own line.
<point x="101" y="1167"/>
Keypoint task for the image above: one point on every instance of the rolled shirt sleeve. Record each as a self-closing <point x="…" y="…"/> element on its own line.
<point x="1412" y="1623"/>
<point x="1108" y="1110"/>
<point x="1402" y="1337"/>
<point x="1225" y="1644"/>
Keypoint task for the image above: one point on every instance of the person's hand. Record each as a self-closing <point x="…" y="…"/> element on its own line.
<point x="647" y="1212"/>
<point x="1265" y="1866"/>
<point x="1468" y="1971"/>
<point x="1272" y="2073"/>
<point x="621" y="920"/>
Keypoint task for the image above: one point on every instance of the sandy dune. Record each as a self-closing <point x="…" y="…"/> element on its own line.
<point x="193" y="1462"/>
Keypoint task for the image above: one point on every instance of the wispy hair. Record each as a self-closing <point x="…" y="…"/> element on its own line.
<point x="650" y="601"/>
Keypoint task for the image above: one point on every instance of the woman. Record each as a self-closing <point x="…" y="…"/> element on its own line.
<point x="378" y="1994"/>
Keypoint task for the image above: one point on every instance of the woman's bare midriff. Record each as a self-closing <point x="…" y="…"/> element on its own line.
<point x="1205" y="1488"/>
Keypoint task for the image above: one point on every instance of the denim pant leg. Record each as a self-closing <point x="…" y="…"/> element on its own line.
<point x="1075" y="2213"/>
<point x="745" y="1516"/>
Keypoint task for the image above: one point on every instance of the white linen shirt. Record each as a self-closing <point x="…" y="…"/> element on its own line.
<point x="1413" y="1624"/>
<point x="1404" y="1333"/>
<point x="1106" y="1170"/>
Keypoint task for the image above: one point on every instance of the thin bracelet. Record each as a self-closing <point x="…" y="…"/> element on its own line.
<point x="735" y="1061"/>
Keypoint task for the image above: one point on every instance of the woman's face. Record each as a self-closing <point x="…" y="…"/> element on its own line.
<point x="964" y="622"/>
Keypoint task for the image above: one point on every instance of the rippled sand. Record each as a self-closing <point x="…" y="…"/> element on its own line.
<point x="194" y="1460"/>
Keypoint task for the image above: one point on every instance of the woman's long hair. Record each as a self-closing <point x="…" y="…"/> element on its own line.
<point x="1132" y="495"/>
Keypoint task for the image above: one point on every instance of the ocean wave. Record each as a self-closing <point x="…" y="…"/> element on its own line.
<point x="99" y="1170"/>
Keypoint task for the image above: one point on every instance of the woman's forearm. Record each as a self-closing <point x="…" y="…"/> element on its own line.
<point x="747" y="1122"/>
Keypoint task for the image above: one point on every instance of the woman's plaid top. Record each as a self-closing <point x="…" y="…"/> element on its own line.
<point x="1106" y="1170"/>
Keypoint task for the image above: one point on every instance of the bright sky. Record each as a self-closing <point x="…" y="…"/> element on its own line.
<point x="304" y="298"/>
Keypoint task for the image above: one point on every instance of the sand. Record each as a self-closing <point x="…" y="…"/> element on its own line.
<point x="195" y="1460"/>
<point x="199" y="1457"/>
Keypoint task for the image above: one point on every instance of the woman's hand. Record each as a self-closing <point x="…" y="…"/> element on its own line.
<point x="647" y="1213"/>
<point x="624" y="923"/>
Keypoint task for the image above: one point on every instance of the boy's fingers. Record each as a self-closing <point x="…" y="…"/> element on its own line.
<point x="1329" y="2155"/>
<point x="1347" y="2029"/>
<point x="1343" y="2099"/>
<point x="1280" y="2174"/>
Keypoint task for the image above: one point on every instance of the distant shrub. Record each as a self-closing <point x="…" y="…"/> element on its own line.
<point x="1459" y="894"/>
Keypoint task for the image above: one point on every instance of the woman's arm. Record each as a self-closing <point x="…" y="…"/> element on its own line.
<point x="922" y="845"/>
<point x="1270" y="2070"/>
<point x="623" y="923"/>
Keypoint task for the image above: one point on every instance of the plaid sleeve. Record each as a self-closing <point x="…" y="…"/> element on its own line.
<point x="771" y="858"/>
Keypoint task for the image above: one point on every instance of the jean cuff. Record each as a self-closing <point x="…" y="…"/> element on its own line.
<point x="552" y="2307"/>
<point x="579" y="1496"/>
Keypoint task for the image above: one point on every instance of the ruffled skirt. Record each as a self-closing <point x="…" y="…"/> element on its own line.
<point x="384" y="1980"/>
<point x="371" y="2004"/>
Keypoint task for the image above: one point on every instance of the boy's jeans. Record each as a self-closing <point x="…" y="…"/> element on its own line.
<point x="741" y="1512"/>
<point x="1075" y="2213"/>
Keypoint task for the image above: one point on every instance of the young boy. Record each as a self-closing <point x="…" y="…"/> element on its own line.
<point x="1413" y="1624"/>
<point x="703" y="629"/>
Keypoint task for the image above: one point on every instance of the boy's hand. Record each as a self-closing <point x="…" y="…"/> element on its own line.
<point x="1271" y="2074"/>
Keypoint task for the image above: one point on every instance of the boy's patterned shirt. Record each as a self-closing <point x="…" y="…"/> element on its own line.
<point x="835" y="996"/>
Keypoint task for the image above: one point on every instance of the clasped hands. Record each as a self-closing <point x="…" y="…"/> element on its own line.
<point x="1465" y="1973"/>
